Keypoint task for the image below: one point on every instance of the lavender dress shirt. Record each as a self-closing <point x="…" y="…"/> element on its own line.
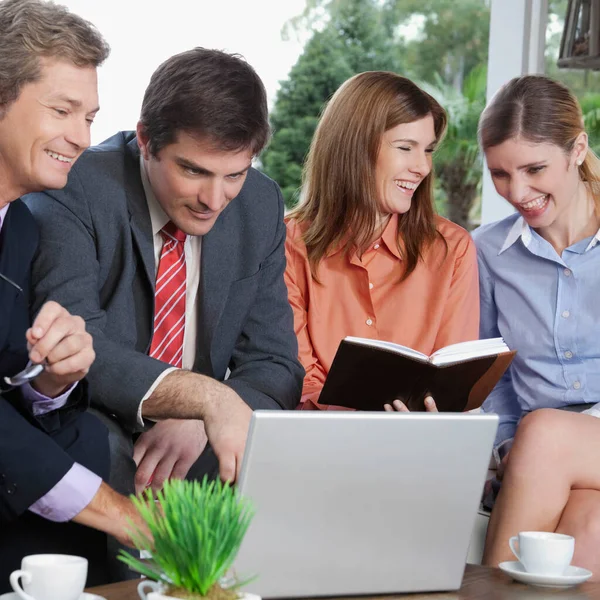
<point x="79" y="485"/>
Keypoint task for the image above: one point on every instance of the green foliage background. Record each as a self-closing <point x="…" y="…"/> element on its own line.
<point x="442" y="44"/>
<point x="355" y="39"/>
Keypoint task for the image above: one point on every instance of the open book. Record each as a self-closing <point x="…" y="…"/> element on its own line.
<point x="366" y="374"/>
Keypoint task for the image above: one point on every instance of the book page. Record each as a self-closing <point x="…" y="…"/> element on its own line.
<point x="468" y="350"/>
<point x="397" y="348"/>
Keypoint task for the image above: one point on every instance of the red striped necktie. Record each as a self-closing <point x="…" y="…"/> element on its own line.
<point x="169" y="298"/>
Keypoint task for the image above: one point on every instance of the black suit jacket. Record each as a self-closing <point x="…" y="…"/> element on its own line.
<point x="98" y="262"/>
<point x="31" y="462"/>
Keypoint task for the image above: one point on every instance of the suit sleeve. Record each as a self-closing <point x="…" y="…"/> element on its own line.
<point x="68" y="271"/>
<point x="264" y="366"/>
<point x="460" y="322"/>
<point x="13" y="358"/>
<point x="31" y="463"/>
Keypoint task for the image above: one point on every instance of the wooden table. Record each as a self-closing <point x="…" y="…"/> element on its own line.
<point x="478" y="582"/>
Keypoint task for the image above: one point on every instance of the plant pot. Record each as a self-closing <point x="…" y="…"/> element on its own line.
<point x="159" y="592"/>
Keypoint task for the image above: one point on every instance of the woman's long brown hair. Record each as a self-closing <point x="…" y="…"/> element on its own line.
<point x="339" y="206"/>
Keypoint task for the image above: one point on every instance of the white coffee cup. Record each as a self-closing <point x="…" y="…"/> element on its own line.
<point x="542" y="552"/>
<point x="155" y="594"/>
<point x="50" y="577"/>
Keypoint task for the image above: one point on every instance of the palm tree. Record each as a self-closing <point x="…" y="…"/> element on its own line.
<point x="590" y="106"/>
<point x="458" y="160"/>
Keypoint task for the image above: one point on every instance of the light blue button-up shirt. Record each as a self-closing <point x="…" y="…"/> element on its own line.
<point x="545" y="306"/>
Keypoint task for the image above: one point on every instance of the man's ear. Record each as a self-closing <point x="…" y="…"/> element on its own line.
<point x="142" y="140"/>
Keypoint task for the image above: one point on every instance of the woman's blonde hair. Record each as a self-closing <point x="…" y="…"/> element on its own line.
<point x="340" y="205"/>
<point x="539" y="110"/>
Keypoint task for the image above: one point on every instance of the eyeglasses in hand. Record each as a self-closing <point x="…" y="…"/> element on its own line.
<point x="30" y="372"/>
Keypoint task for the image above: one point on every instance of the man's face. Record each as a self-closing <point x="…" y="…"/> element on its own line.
<point x="193" y="181"/>
<point x="47" y="128"/>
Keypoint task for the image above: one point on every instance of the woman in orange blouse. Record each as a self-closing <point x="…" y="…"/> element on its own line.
<point x="366" y="254"/>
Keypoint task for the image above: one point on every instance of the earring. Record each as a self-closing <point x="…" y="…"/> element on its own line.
<point x="579" y="162"/>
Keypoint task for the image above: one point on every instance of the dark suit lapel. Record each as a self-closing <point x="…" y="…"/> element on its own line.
<point x="139" y="216"/>
<point x="18" y="242"/>
<point x="214" y="280"/>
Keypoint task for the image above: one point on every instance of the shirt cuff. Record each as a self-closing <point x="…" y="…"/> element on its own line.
<point x="501" y="450"/>
<point x="69" y="496"/>
<point x="593" y="411"/>
<point x="149" y="393"/>
<point x="39" y="404"/>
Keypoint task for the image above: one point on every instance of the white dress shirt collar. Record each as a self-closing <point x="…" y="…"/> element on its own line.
<point x="158" y="217"/>
<point x="3" y="212"/>
<point x="521" y="229"/>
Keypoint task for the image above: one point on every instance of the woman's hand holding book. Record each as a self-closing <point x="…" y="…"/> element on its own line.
<point x="399" y="406"/>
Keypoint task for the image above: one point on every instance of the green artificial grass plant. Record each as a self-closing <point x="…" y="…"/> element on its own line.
<point x="197" y="530"/>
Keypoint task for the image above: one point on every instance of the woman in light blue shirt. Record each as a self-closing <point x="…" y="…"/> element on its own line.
<point x="540" y="291"/>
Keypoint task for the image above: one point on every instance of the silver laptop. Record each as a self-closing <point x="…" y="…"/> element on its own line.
<point x="361" y="503"/>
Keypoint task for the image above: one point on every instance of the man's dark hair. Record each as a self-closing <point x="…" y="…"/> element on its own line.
<point x="208" y="94"/>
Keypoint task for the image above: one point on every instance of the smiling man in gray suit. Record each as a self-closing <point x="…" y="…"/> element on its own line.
<point x="171" y="247"/>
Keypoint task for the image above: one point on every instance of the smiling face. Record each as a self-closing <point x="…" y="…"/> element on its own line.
<point x="404" y="160"/>
<point x="193" y="181"/>
<point x="47" y="128"/>
<point x="539" y="180"/>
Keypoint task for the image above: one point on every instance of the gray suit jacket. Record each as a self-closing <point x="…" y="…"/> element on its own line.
<point x="97" y="260"/>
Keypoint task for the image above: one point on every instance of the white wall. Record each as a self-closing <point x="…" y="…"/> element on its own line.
<point x="143" y="33"/>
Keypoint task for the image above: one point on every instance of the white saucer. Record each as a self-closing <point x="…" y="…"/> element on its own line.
<point x="571" y="576"/>
<point x="84" y="596"/>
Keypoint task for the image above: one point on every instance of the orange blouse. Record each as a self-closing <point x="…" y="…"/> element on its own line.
<point x="437" y="305"/>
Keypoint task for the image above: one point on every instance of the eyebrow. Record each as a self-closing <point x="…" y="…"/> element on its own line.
<point x="188" y="164"/>
<point x="408" y="141"/>
<point x="537" y="163"/>
<point x="520" y="167"/>
<point x="75" y="103"/>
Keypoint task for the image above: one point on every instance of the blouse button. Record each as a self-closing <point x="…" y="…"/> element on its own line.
<point x="576" y="385"/>
<point x="566" y="314"/>
<point x="567" y="272"/>
<point x="568" y="354"/>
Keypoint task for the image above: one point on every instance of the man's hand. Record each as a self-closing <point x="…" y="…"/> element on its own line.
<point x="399" y="406"/>
<point x="227" y="423"/>
<point x="112" y="513"/>
<point x="59" y="339"/>
<point x="127" y="522"/>
<point x="167" y="451"/>
<point x="225" y="415"/>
